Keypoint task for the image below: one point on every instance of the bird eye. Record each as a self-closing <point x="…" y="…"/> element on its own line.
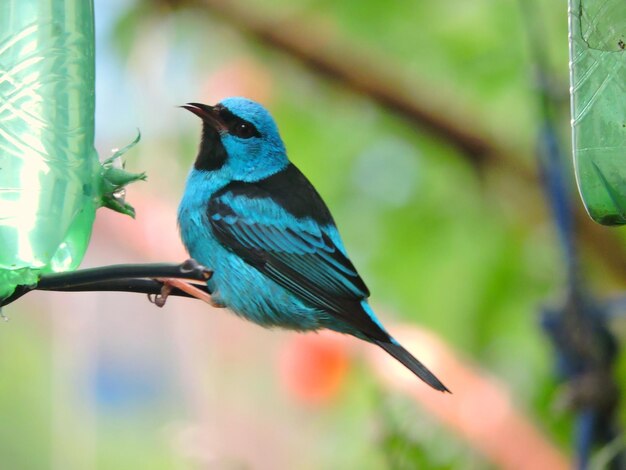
<point x="244" y="129"/>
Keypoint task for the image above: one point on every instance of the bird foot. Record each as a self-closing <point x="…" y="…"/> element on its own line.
<point x="170" y="283"/>
<point x="160" y="299"/>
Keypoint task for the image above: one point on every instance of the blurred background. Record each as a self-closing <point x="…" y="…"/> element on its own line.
<point x="417" y="122"/>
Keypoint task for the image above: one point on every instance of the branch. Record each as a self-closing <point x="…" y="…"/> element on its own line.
<point x="374" y="77"/>
<point x="140" y="278"/>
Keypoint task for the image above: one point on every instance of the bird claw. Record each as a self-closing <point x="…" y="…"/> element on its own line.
<point x="188" y="266"/>
<point x="160" y="298"/>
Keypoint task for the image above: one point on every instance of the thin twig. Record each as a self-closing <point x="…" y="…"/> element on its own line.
<point x="140" y="278"/>
<point x="139" y="286"/>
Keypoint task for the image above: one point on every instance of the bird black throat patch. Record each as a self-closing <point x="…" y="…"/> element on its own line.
<point x="212" y="154"/>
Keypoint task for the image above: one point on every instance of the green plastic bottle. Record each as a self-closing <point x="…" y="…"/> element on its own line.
<point x="51" y="181"/>
<point x="598" y="98"/>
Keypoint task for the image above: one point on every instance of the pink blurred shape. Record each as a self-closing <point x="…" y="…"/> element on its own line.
<point x="240" y="77"/>
<point x="480" y="410"/>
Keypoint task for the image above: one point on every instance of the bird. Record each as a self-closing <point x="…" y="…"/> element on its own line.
<point x="252" y="217"/>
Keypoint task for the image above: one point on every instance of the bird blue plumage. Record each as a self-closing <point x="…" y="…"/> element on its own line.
<point x="253" y="218"/>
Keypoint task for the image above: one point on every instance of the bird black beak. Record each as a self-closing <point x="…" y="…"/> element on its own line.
<point x="208" y="114"/>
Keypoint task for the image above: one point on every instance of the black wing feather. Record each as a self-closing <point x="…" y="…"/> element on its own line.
<point x="322" y="275"/>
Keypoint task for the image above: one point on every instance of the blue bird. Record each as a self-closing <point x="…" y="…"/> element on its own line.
<point x="255" y="220"/>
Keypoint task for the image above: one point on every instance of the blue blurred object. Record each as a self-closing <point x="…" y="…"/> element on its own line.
<point x="253" y="217"/>
<point x="121" y="386"/>
<point x="585" y="348"/>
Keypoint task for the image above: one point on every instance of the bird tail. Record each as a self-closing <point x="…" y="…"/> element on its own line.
<point x="406" y="358"/>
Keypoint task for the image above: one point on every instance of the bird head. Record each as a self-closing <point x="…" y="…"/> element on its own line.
<point x="239" y="139"/>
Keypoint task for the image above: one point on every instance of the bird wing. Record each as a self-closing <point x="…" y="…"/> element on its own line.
<point x="298" y="253"/>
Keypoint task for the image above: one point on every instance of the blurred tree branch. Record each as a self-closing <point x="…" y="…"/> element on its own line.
<point x="407" y="97"/>
<point x="375" y="77"/>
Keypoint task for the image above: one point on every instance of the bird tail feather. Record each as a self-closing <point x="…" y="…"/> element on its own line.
<point x="419" y="369"/>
